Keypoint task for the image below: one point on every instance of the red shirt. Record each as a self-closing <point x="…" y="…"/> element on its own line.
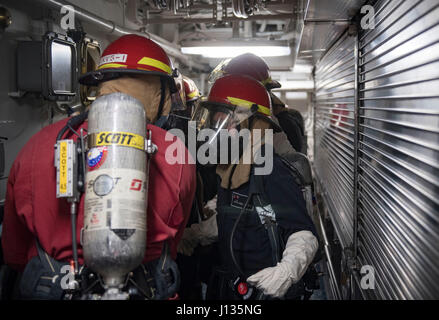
<point x="33" y="211"/>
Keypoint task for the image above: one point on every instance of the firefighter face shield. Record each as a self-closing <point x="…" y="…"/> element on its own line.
<point x="219" y="117"/>
<point x="220" y="131"/>
<point x="218" y="72"/>
<point x="178" y="115"/>
<point x="178" y="96"/>
<point x="177" y="103"/>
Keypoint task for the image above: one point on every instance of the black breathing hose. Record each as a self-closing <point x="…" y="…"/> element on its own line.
<point x="73" y="217"/>
<point x="73" y="122"/>
<point x="241" y="273"/>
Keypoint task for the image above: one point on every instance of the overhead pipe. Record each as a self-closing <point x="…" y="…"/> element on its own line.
<point x="182" y="20"/>
<point x="238" y="8"/>
<point x="115" y="30"/>
<point x="327" y="21"/>
<point x="297" y="33"/>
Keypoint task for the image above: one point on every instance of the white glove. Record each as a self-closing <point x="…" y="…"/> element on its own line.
<point x="203" y="233"/>
<point x="298" y="254"/>
<point x="210" y="208"/>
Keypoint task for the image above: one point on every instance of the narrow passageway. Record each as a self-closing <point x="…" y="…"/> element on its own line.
<point x="205" y="150"/>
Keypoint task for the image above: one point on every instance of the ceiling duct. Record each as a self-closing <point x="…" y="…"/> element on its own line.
<point x="294" y="29"/>
<point x="238" y="7"/>
<point x="267" y="30"/>
<point x="114" y="30"/>
<point x="244" y="8"/>
<point x="218" y="11"/>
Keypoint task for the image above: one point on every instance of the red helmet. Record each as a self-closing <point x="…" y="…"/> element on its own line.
<point x="246" y="64"/>
<point x="179" y="83"/>
<point x="130" y="54"/>
<point x="238" y="96"/>
<point x="190" y="89"/>
<point x="239" y="90"/>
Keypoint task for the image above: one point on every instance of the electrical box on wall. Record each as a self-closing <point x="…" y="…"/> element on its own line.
<point x="29" y="63"/>
<point x="48" y="67"/>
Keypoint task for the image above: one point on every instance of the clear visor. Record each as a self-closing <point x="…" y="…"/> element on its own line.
<point x="184" y="112"/>
<point x="218" y="72"/>
<point x="218" y="117"/>
<point x="177" y="103"/>
<point x="178" y="97"/>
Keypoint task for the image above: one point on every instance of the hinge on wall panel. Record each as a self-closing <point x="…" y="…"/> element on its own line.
<point x="352" y="29"/>
<point x="351" y="260"/>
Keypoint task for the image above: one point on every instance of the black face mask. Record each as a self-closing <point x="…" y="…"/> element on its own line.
<point x="177" y="120"/>
<point x="222" y="143"/>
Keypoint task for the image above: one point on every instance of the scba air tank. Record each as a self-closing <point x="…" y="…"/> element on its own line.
<point x="114" y="235"/>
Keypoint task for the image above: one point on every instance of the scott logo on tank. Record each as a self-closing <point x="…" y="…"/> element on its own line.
<point x="138" y="185"/>
<point x="115" y="138"/>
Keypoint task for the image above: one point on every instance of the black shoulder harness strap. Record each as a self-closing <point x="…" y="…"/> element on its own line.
<point x="266" y="214"/>
<point x="298" y="177"/>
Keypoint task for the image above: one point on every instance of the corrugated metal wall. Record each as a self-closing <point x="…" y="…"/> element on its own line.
<point x="399" y="149"/>
<point x="398" y="146"/>
<point x="334" y="133"/>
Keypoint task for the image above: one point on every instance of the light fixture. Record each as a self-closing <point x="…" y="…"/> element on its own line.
<point x="230" y="49"/>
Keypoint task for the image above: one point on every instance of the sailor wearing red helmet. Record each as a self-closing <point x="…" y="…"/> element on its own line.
<point x="36" y="231"/>
<point x="179" y="117"/>
<point x="266" y="238"/>
<point x="290" y="120"/>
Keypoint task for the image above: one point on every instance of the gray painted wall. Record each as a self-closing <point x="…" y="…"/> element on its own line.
<point x="20" y="118"/>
